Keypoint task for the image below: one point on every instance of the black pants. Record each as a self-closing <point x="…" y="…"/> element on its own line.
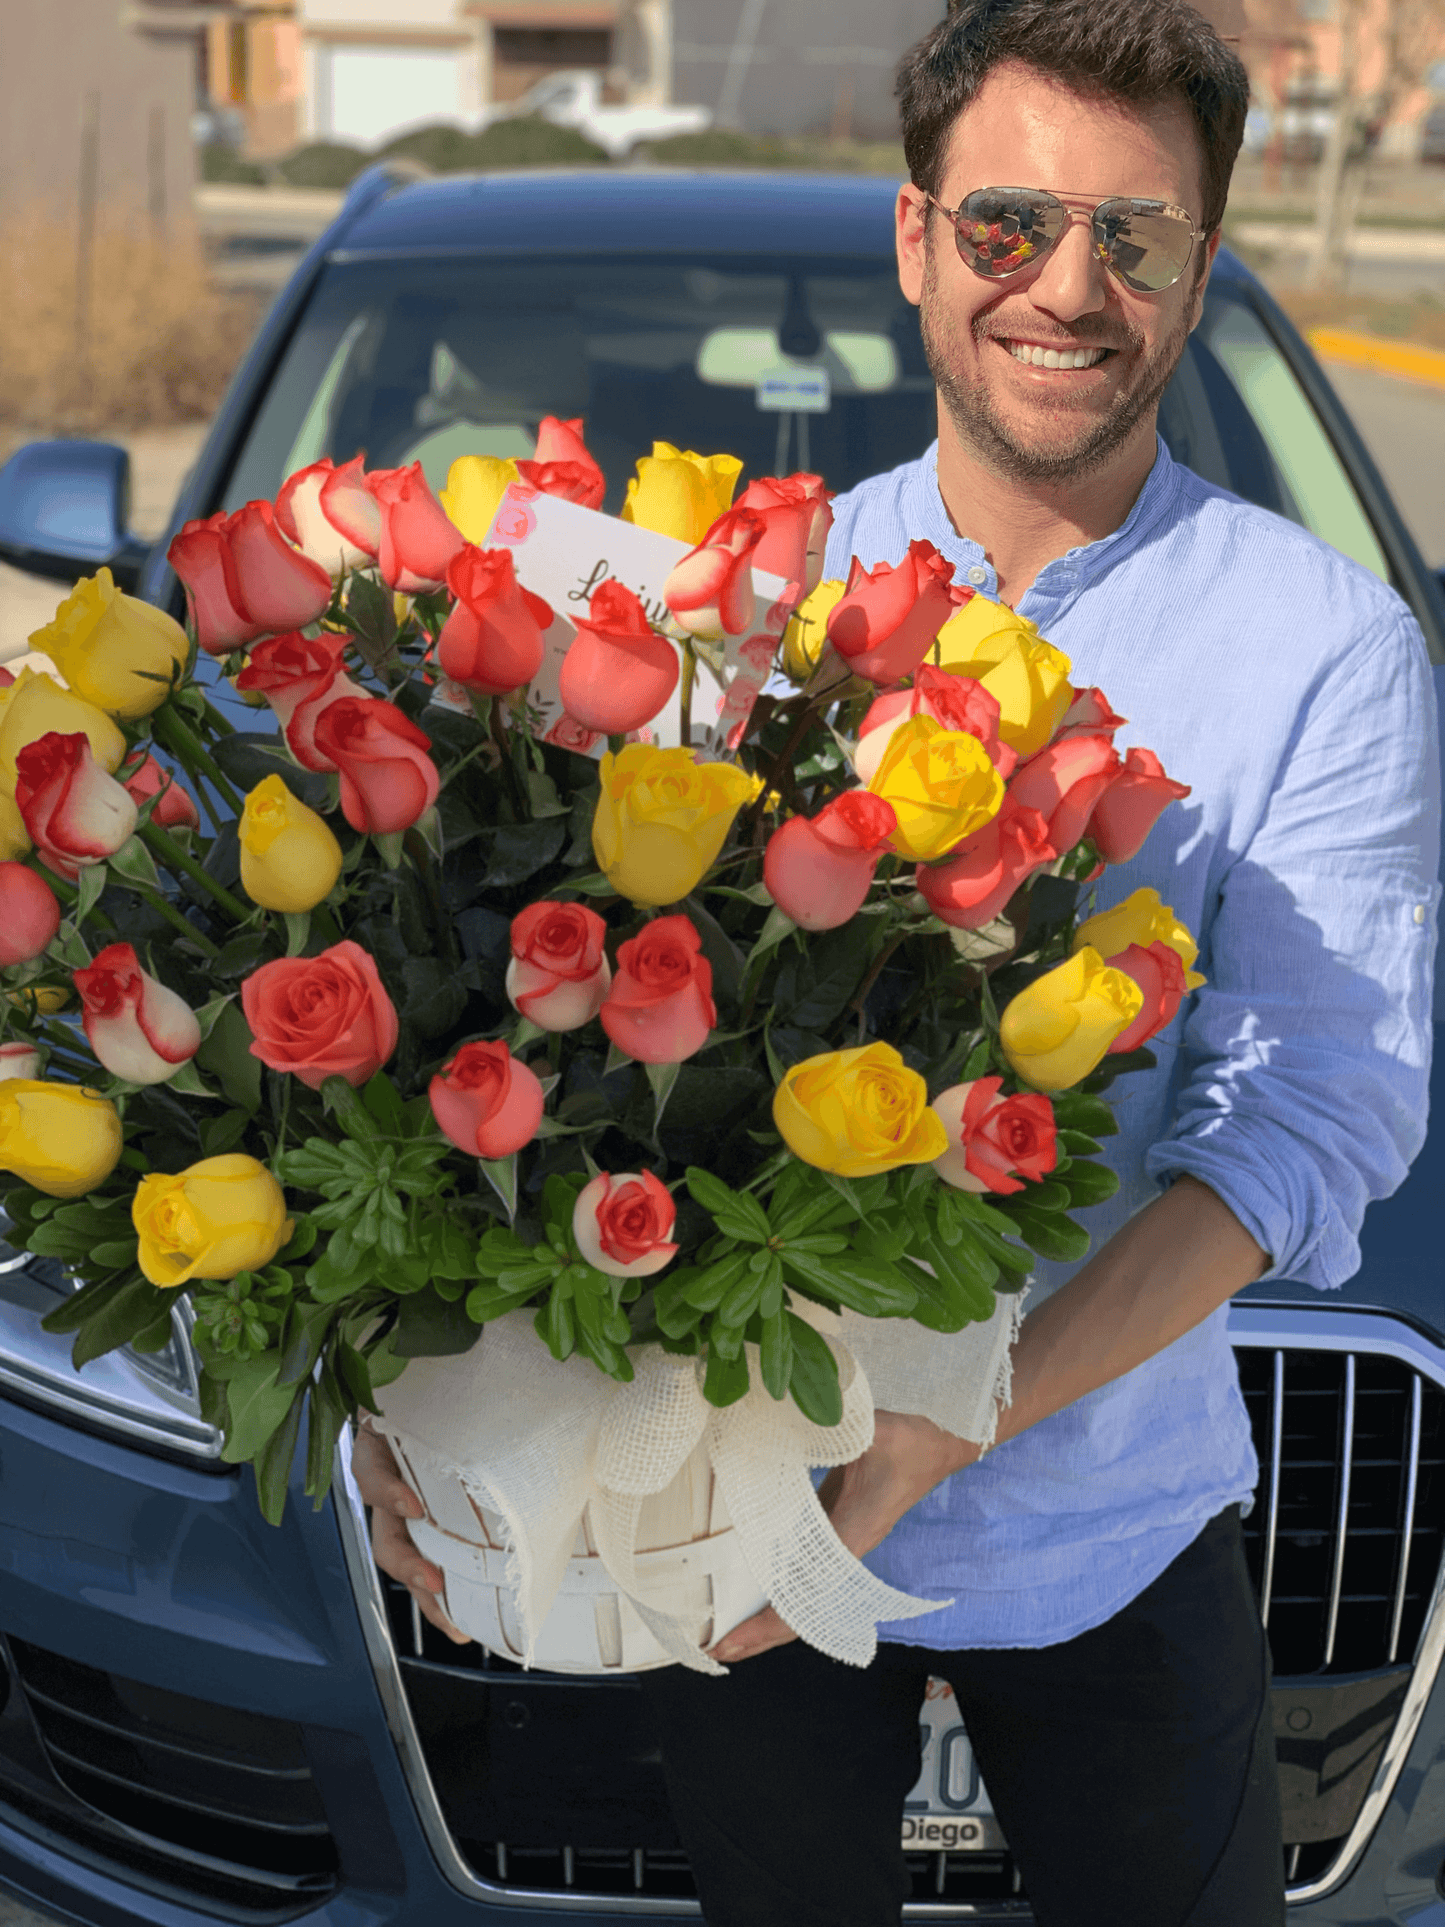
<point x="1132" y="1768"/>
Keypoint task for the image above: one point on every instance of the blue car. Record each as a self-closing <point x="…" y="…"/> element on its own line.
<point x="204" y="1718"/>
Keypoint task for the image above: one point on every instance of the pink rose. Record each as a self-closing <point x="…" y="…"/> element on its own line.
<point x="617" y="674"/>
<point x="568" y="733"/>
<point x="139" y="1029"/>
<point x="660" y="1008"/>
<point x="622" y="1224"/>
<point x="320" y="1017"/>
<point x="958" y="703"/>
<point x="300" y="676"/>
<point x="1089" y="714"/>
<point x="561" y="465"/>
<point x="487" y="1103"/>
<point x="559" y="972"/>
<point x="175" y="806"/>
<point x="1160" y="973"/>
<point x="797" y="516"/>
<point x="18" y="1060"/>
<point x="417" y="540"/>
<point x="818" y="870"/>
<point x="74" y="812"/>
<point x="1064" y="782"/>
<point x="976" y="880"/>
<point x="1131" y="806"/>
<point x="710" y="592"/>
<point x="888" y="618"/>
<point x="330" y="515"/>
<point x="387" y="778"/>
<point x="492" y="640"/>
<point x="995" y="1143"/>
<point x="29" y="914"/>
<point x="243" y="579"/>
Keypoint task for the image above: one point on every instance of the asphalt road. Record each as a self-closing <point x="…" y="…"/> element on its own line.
<point x="1402" y="424"/>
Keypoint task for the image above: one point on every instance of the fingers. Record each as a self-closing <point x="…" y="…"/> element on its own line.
<point x="378" y="1480"/>
<point x="756" y="1635"/>
<point x="430" y="1608"/>
<point x="398" y="1558"/>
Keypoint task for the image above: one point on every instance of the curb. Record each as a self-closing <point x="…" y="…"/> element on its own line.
<point x="1403" y="358"/>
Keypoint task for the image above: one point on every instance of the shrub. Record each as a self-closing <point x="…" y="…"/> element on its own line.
<point x="524" y="142"/>
<point x="223" y="166"/>
<point x="324" y="164"/>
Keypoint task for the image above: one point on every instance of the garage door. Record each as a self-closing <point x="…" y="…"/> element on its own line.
<point x="378" y="91"/>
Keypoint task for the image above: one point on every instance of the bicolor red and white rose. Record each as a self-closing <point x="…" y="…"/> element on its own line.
<point x="974" y="882"/>
<point x="300" y="676"/>
<point x="243" y="579"/>
<point x="73" y="811"/>
<point x="559" y="973"/>
<point x="797" y="516"/>
<point x="995" y="1143"/>
<point x="623" y="1223"/>
<point x="561" y="464"/>
<point x="331" y="515"/>
<point x="418" y="541"/>
<point x="710" y="592"/>
<point x="138" y="1028"/>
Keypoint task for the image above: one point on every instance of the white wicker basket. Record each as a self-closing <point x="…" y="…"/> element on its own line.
<point x="688" y="1562"/>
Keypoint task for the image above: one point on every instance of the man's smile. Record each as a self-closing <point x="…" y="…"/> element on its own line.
<point x="1034" y="354"/>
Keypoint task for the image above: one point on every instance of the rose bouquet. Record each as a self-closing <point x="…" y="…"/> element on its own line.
<point x="422" y="1003"/>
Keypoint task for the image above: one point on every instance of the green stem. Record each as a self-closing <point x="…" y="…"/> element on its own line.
<point x="177" y="735"/>
<point x="162" y="844"/>
<point x="173" y="916"/>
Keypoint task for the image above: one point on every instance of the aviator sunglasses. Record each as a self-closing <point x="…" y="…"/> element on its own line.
<point x="1002" y="230"/>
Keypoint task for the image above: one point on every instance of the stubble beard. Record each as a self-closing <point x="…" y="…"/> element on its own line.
<point x="999" y="444"/>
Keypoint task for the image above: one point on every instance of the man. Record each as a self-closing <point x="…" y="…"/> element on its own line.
<point x="1103" y="1641"/>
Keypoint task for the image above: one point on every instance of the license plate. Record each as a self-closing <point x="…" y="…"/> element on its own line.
<point x="948" y="1811"/>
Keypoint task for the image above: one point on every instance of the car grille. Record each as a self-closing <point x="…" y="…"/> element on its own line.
<point x="1344" y="1543"/>
<point x="194" y="1800"/>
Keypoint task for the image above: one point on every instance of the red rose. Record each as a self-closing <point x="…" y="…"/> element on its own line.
<point x="1064" y="782"/>
<point x="818" y="870"/>
<point x="796" y="516"/>
<point x="562" y="466"/>
<point x="559" y="972"/>
<point x="243" y="578"/>
<point x="1089" y="714"/>
<point x="710" y="592"/>
<point x="660" y="1008"/>
<point x="487" y="1103"/>
<point x="616" y="674"/>
<point x="320" y="1017"/>
<point x="622" y="1224"/>
<point x="330" y="514"/>
<point x="1160" y="973"/>
<point x="74" y="812"/>
<point x="175" y="806"/>
<point x="1131" y="806"/>
<point x="387" y="778"/>
<point x="492" y="640"/>
<point x="29" y="914"/>
<point x="888" y="617"/>
<point x="300" y="676"/>
<point x="958" y="703"/>
<point x="995" y="1143"/>
<point x="139" y="1029"/>
<point x="975" y="881"/>
<point x="417" y="540"/>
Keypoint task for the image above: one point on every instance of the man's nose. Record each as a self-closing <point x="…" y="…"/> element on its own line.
<point x="1071" y="278"/>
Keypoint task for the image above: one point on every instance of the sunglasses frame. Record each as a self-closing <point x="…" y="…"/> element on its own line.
<point x="955" y="218"/>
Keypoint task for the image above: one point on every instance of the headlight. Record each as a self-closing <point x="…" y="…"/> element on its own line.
<point x="148" y="1399"/>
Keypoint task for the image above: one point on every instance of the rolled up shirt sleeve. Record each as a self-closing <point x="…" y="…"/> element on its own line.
<point x="1305" y="1059"/>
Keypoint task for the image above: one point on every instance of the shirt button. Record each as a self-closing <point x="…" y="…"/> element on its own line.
<point x="977" y="575"/>
<point x="1419" y="913"/>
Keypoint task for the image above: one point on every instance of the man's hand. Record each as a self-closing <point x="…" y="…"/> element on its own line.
<point x="392" y="1502"/>
<point x="865" y="1500"/>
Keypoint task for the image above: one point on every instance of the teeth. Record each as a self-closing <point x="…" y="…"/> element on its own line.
<point x="1035" y="357"/>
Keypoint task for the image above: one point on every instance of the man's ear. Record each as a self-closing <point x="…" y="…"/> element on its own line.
<point x="1211" y="248"/>
<point x="910" y="218"/>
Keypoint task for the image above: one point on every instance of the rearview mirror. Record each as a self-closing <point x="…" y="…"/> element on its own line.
<point x="65" y="511"/>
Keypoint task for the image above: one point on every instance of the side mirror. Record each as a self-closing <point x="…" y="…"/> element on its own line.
<point x="65" y="512"/>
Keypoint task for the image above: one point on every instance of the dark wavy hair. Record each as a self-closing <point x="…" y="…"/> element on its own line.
<point x="1127" y="50"/>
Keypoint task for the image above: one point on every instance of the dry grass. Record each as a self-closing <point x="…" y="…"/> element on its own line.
<point x="1418" y="318"/>
<point x="151" y="341"/>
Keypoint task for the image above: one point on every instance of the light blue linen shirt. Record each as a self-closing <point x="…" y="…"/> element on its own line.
<point x="1290" y="688"/>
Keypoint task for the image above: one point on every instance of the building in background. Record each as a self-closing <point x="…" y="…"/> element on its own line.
<point x="251" y="77"/>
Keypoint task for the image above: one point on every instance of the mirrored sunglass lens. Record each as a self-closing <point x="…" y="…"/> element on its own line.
<point x="1002" y="229"/>
<point x="1147" y="246"/>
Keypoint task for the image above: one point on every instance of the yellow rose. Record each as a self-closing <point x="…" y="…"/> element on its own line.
<point x="1142" y="919"/>
<point x="1055" y="1031"/>
<point x="220" y="1216"/>
<point x="114" y="650"/>
<point x="46" y="998"/>
<point x="289" y="858"/>
<point x="58" y="1137"/>
<point x="32" y="708"/>
<point x="474" y="491"/>
<point x="661" y="819"/>
<point x="1027" y="677"/>
<point x="858" y="1112"/>
<point x="807" y="630"/>
<point x="941" y="784"/>
<point x="679" y="493"/>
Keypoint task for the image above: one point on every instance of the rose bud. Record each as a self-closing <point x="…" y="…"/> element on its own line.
<point x="660" y="1008"/>
<point x="387" y="778"/>
<point x="175" y="806"/>
<point x="562" y="466"/>
<point x="995" y="1143"/>
<point x="798" y="516"/>
<point x="289" y="859"/>
<point x="957" y="703"/>
<point x="304" y="510"/>
<point x="617" y="674"/>
<point x="559" y="972"/>
<point x="217" y="1218"/>
<point x="243" y="579"/>
<point x="807" y="631"/>
<point x="299" y="676"/>
<point x="818" y="870"/>
<point x="710" y="592"/>
<point x="139" y="1029"/>
<point x="1131" y="806"/>
<point x="417" y="540"/>
<point x="18" y="1060"/>
<point x="473" y="494"/>
<point x="661" y="819"/>
<point x="487" y="1103"/>
<point x="857" y="1113"/>
<point x="977" y="878"/>
<point x="37" y="706"/>
<point x="622" y="1224"/>
<point x="1027" y="676"/>
<point x="114" y="650"/>
<point x="73" y="812"/>
<point x="58" y="1137"/>
<point x="1140" y="919"/>
<point x="888" y="618"/>
<point x="679" y="493"/>
<point x="1089" y="714"/>
<point x="320" y="1017"/>
<point x="1059" y="1027"/>
<point x="1064" y="782"/>
<point x="29" y="914"/>
<point x="1164" y="983"/>
<point x="492" y="640"/>
<point x="941" y="785"/>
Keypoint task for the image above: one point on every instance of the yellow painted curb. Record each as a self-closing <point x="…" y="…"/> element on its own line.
<point x="1403" y="358"/>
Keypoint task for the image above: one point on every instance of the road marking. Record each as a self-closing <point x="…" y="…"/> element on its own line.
<point x="1403" y="358"/>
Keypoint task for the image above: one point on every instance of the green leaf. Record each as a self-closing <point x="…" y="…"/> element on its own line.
<point x="707" y="1288"/>
<point x="726" y="1379"/>
<point x="1075" y="1144"/>
<point x="89" y="885"/>
<point x="256" y="1405"/>
<point x="134" y="863"/>
<point x="1079" y="1111"/>
<point x="118" y="1320"/>
<point x="815" y="986"/>
<point x="226" y="1053"/>
<point x="222" y="1134"/>
<point x="272" y="1465"/>
<point x="240" y="956"/>
<point x="978" y="1060"/>
<point x="591" y="886"/>
<point x="1087" y="1184"/>
<point x="866" y="1285"/>
<point x="501" y="1174"/>
<point x="661" y="1077"/>
<point x="307" y="1328"/>
<point x="736" y="1213"/>
<point x="1049" y="1233"/>
<point x="298" y="931"/>
<point x="342" y="1103"/>
<point x="776" y="1354"/>
<point x="356" y="1376"/>
<point x="428" y="1326"/>
<point x="114" y="1255"/>
<point x="813" y="1380"/>
<point x="83" y="1305"/>
<point x="778" y="926"/>
<point x="556" y="1326"/>
<point x="188" y="1082"/>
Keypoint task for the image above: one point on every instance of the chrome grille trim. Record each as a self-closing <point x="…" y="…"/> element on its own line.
<point x="1342" y="1517"/>
<point x="1276" y="1455"/>
<point x="1407" y="1528"/>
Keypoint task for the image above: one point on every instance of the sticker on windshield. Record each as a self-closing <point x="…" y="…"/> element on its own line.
<point x="799" y="391"/>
